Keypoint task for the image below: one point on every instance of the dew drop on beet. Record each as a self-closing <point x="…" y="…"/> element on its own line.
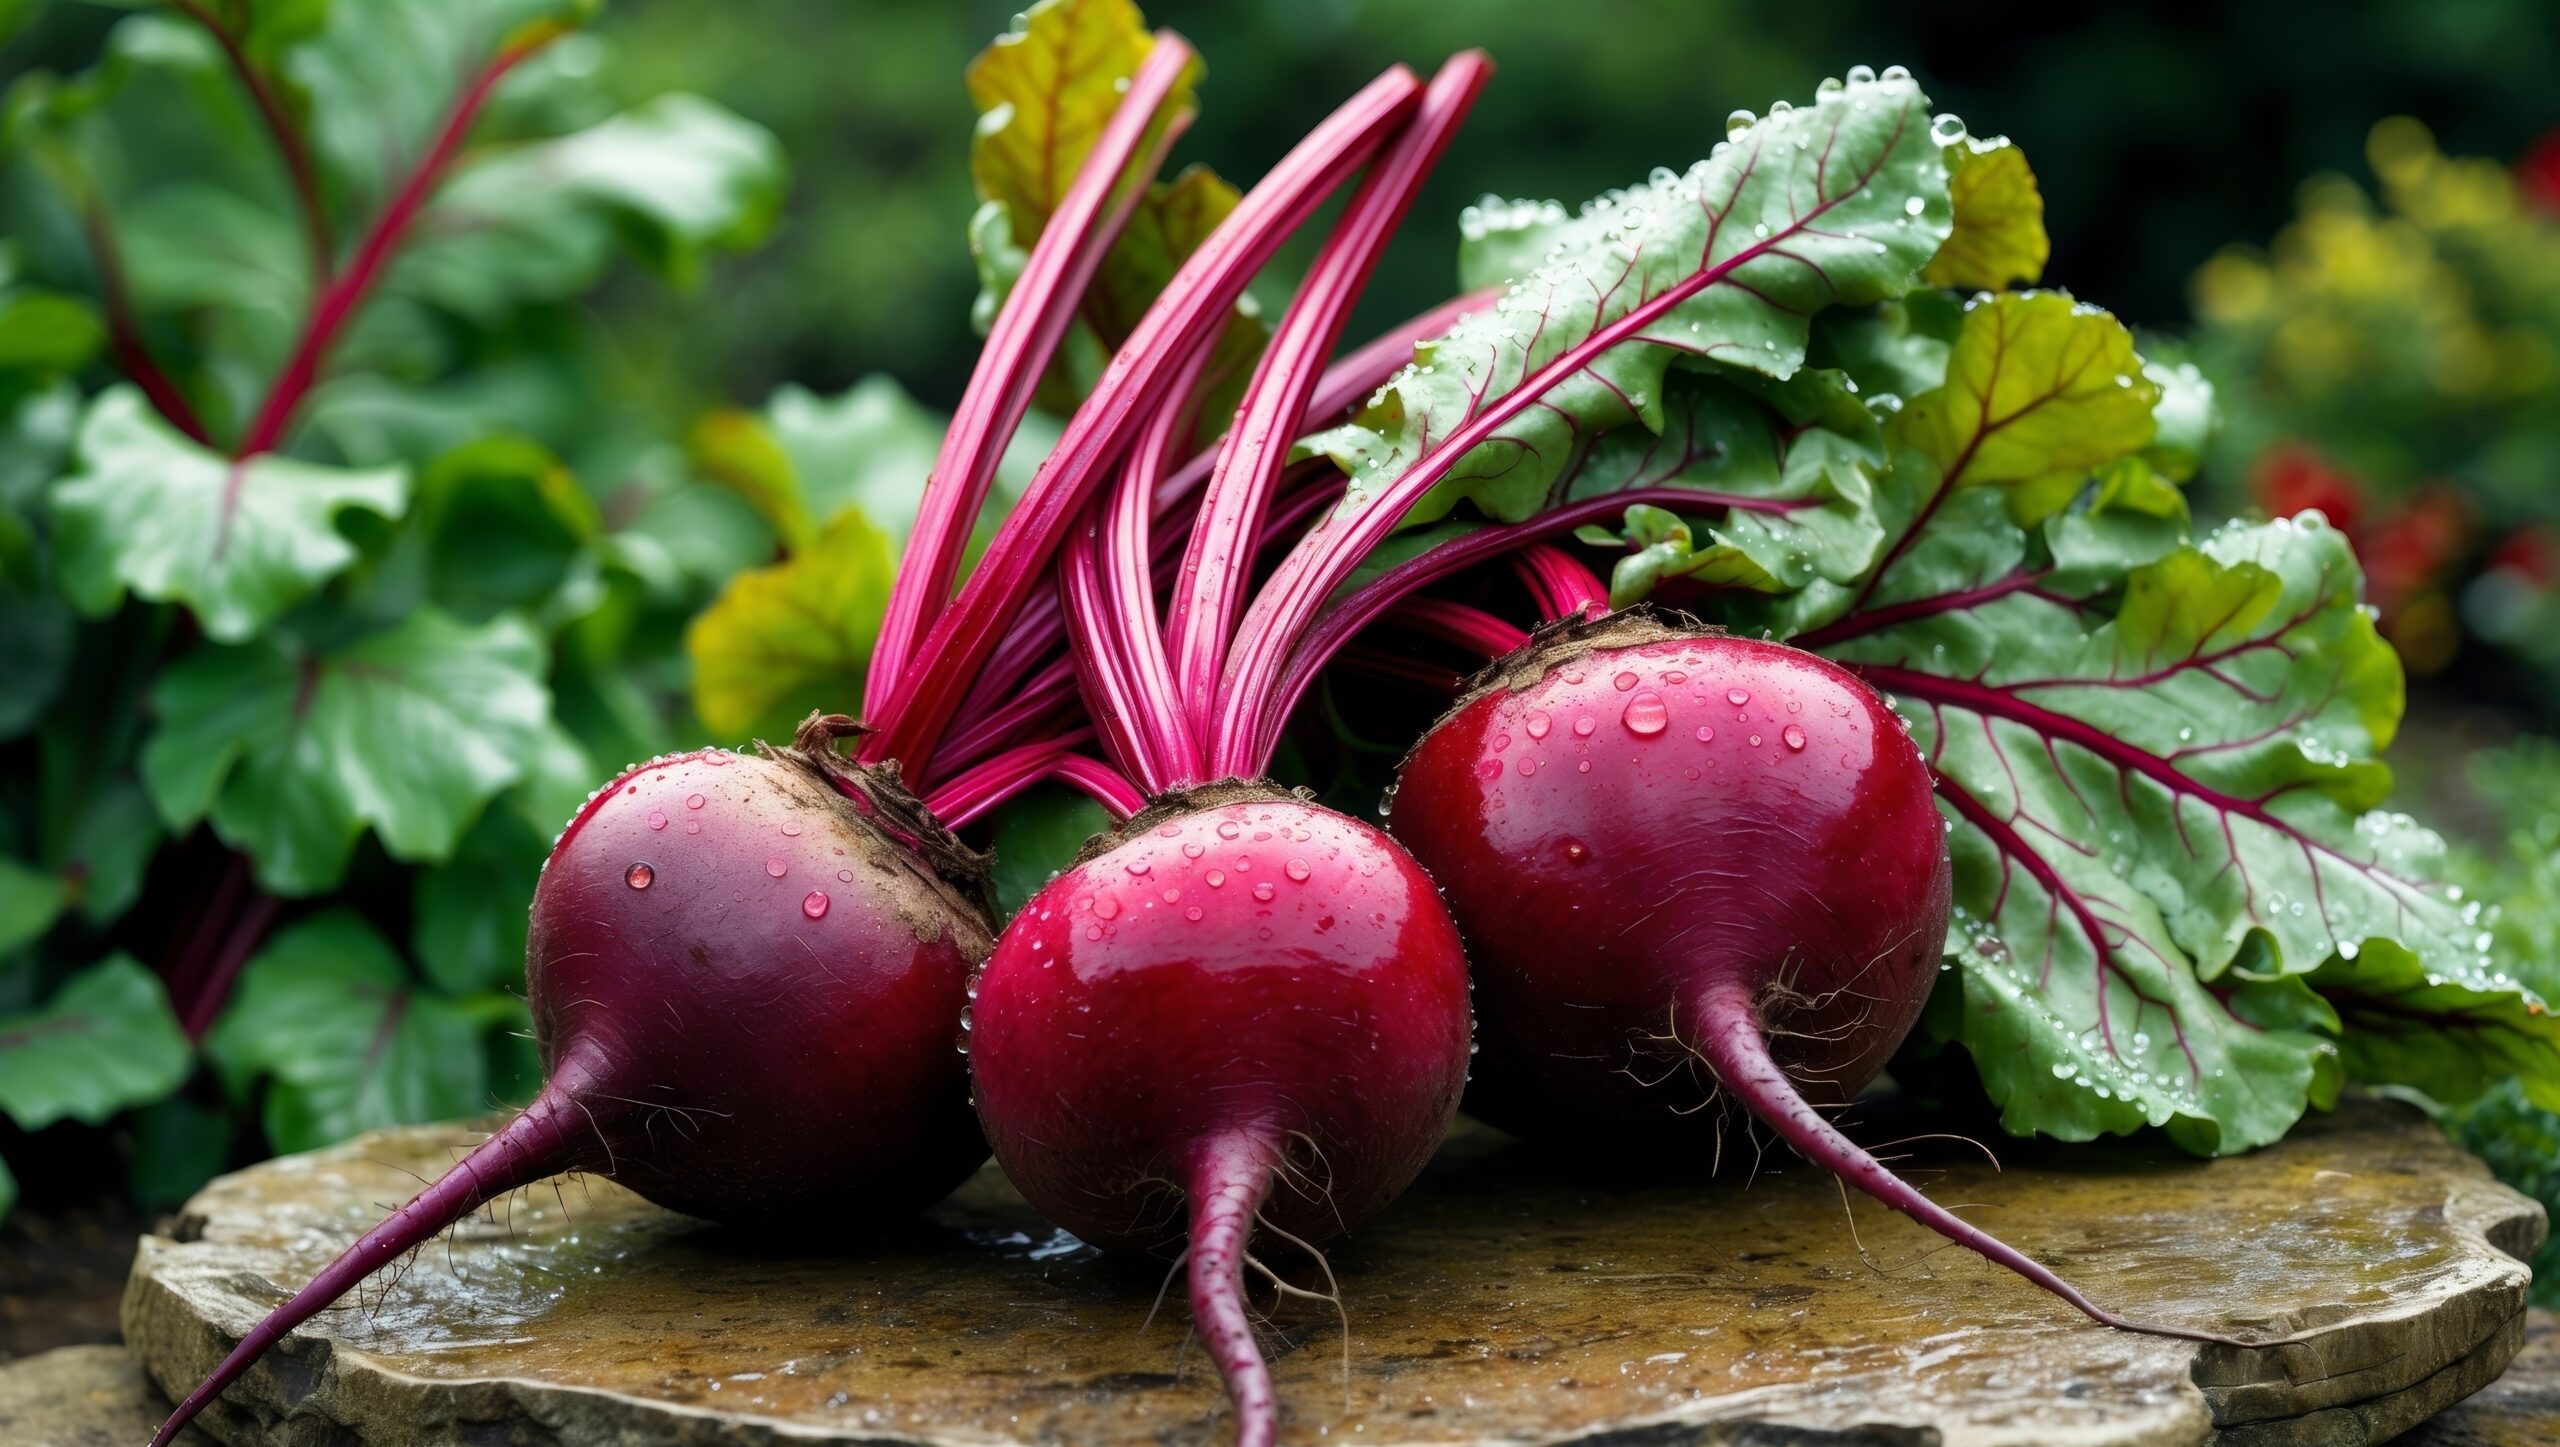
<point x="693" y="826"/>
<point x="657" y="819"/>
<point x="791" y="829"/>
<point x="1107" y="907"/>
<point x="693" y="801"/>
<point x="1193" y="849"/>
<point x="1576" y="852"/>
<point x="1706" y="735"/>
<point x="1583" y="726"/>
<point x="776" y="866"/>
<point x="1217" y="878"/>
<point x="1229" y="829"/>
<point x="1738" y="697"/>
<point x="1489" y="770"/>
<point x="1538" y="724"/>
<point x="1139" y="866"/>
<point x="1528" y="766"/>
<point x="1192" y="914"/>
<point x="1173" y="896"/>
<point x="1794" y="737"/>
<point x="1297" y="870"/>
<point x="1264" y="891"/>
<point x="844" y="876"/>
<point x="1584" y="767"/>
<point x="1675" y="678"/>
<point x="1093" y="931"/>
<point x="1755" y="741"/>
<point x="1501" y="742"/>
<point x="1170" y="830"/>
<point x="815" y="905"/>
<point x="1646" y="714"/>
<point x="1624" y="681"/>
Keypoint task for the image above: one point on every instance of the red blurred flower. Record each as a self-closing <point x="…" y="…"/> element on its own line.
<point x="2538" y="171"/>
<point x="2408" y="547"/>
<point x="2531" y="553"/>
<point x="2292" y="476"/>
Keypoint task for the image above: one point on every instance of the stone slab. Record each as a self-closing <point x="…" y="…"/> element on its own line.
<point x="89" y="1396"/>
<point x="1509" y="1298"/>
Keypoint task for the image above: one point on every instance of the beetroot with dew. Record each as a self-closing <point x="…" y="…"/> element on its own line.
<point x="744" y="973"/>
<point x="1239" y="1009"/>
<point x="1691" y="867"/>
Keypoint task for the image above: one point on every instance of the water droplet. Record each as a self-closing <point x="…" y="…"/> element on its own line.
<point x="1106" y="906"/>
<point x="1538" y="724"/>
<point x="1173" y="896"/>
<point x="1192" y="914"/>
<point x="844" y="876"/>
<point x="1229" y="829"/>
<point x="776" y="866"/>
<point x="1583" y="768"/>
<point x="693" y="826"/>
<point x="1583" y="726"/>
<point x="1193" y="849"/>
<point x="1297" y="870"/>
<point x="791" y="829"/>
<point x="1576" y="852"/>
<point x="693" y="801"/>
<point x="814" y="904"/>
<point x="1738" y="697"/>
<point x="1093" y="931"/>
<point x="1647" y="714"/>
<point x="1264" y="891"/>
<point x="1914" y="206"/>
<point x="1794" y="737"/>
<point x="1217" y="878"/>
<point x="1623" y="682"/>
<point x="1169" y="830"/>
<point x="640" y="876"/>
<point x="1755" y="741"/>
<point x="1139" y="866"/>
<point x="657" y="819"/>
<point x="1706" y="735"/>
<point x="1528" y="766"/>
<point x="1489" y="770"/>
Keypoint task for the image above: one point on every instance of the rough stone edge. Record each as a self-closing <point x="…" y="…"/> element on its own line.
<point x="2335" y="1365"/>
<point x="2381" y="1419"/>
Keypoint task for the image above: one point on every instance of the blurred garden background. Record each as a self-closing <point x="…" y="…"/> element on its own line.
<point x="710" y="289"/>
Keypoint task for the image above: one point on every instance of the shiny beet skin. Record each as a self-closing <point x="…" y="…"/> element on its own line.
<point x="755" y="990"/>
<point x="1242" y="966"/>
<point x="1630" y="815"/>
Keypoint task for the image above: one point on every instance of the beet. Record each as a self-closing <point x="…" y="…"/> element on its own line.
<point x="1689" y="867"/>
<point x="1239" y="1001"/>
<point x="743" y="973"/>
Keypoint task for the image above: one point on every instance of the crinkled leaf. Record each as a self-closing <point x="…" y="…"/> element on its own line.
<point x="2160" y="818"/>
<point x="2039" y="391"/>
<point x="293" y="755"/>
<point x="31" y="899"/>
<point x="1838" y="203"/>
<point x="1786" y="465"/>
<point x="237" y="542"/>
<point x="1044" y="91"/>
<point x="328" y="1014"/>
<point x="1999" y="239"/>
<point x="670" y="179"/>
<point x="2453" y="1033"/>
<point x="498" y="524"/>
<point x="782" y="640"/>
<point x="106" y="1041"/>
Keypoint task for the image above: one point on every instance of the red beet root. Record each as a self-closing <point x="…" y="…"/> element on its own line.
<point x="1688" y="864"/>
<point x="743" y="973"/>
<point x="1244" y="1002"/>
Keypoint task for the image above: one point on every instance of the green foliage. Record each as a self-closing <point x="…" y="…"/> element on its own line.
<point x="382" y="658"/>
<point x="2393" y="358"/>
<point x="2180" y="901"/>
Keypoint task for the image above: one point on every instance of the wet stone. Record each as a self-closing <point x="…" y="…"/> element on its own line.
<point x="89" y="1396"/>
<point x="1508" y="1298"/>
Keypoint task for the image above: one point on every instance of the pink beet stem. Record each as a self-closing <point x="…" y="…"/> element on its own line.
<point x="1223" y="537"/>
<point x="1560" y="584"/>
<point x="1194" y="303"/>
<point x="1027" y="329"/>
<point x="1473" y="629"/>
<point x="1230" y="1174"/>
<point x="552" y="1135"/>
<point x="1733" y="1039"/>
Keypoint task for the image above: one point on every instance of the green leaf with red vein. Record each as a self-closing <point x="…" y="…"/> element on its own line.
<point x="2153" y="812"/>
<point x="293" y="754"/>
<point x="237" y="542"/>
<point x="1839" y="203"/>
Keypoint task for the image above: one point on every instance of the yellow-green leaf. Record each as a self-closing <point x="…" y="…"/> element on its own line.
<point x="734" y="448"/>
<point x="783" y="640"/>
<point x="1999" y="240"/>
<point x="1044" y="91"/>
<point x="2040" y="392"/>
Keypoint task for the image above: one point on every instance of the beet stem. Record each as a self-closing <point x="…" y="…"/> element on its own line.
<point x="550" y="1136"/>
<point x="1732" y="1038"/>
<point x="1230" y="1174"/>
